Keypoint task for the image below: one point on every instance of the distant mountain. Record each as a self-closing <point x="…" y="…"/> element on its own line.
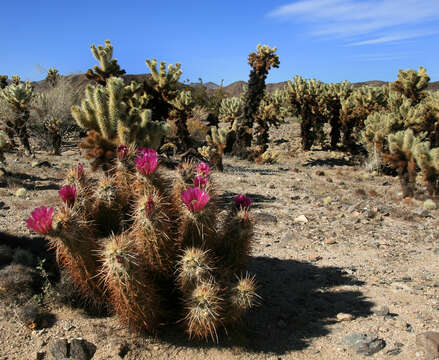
<point x="233" y="89"/>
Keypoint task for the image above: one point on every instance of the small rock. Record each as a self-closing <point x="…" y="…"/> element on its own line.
<point x="330" y="241"/>
<point x="366" y="344"/>
<point x="58" y="350"/>
<point x="344" y="317"/>
<point x="301" y="219"/>
<point x="429" y="343"/>
<point x="67" y="326"/>
<point x="41" y="164"/>
<point x="82" y="349"/>
<point x="315" y="258"/>
<point x="382" y="311"/>
<point x="40" y="355"/>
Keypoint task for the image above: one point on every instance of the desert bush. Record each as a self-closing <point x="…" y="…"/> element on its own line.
<point x="151" y="247"/>
<point x="51" y="119"/>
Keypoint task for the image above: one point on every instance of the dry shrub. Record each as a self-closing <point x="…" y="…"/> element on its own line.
<point x="196" y="126"/>
<point x="51" y="104"/>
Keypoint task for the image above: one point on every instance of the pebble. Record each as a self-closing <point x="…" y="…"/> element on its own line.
<point x="382" y="311"/>
<point x="344" y="317"/>
<point x="301" y="219"/>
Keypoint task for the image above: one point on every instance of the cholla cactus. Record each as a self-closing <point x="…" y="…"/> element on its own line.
<point x="18" y="97"/>
<point x="261" y="62"/>
<point x="428" y="161"/>
<point x="182" y="109"/>
<point x="52" y="76"/>
<point x="153" y="249"/>
<point x="113" y="123"/>
<point x="216" y="144"/>
<point x="230" y="109"/>
<point x="52" y="125"/>
<point x="412" y="84"/>
<point x="355" y="109"/>
<point x="162" y="87"/>
<point x="306" y="98"/>
<point x="402" y="148"/>
<point x="108" y="67"/>
<point x="271" y="112"/>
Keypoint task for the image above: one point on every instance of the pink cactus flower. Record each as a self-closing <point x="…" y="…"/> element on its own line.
<point x="146" y="161"/>
<point x="122" y="152"/>
<point x="79" y="171"/>
<point x="203" y="169"/>
<point x="40" y="220"/>
<point x="68" y="194"/>
<point x="194" y="198"/>
<point x="200" y="181"/>
<point x="242" y="201"/>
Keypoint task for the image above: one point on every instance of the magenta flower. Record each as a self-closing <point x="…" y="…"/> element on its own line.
<point x="194" y="198"/>
<point x="122" y="152"/>
<point x="203" y="169"/>
<point x="146" y="161"/>
<point x="40" y="220"/>
<point x="79" y="171"/>
<point x="200" y="181"/>
<point x="68" y="194"/>
<point x="242" y="201"/>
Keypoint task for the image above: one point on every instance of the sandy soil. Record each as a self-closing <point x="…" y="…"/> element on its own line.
<point x="362" y="247"/>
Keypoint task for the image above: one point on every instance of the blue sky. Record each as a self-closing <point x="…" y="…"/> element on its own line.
<point x="331" y="40"/>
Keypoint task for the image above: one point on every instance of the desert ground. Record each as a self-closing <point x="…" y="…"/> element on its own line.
<point x="338" y="256"/>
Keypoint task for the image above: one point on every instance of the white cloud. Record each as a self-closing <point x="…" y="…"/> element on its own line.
<point x="354" y="18"/>
<point x="392" y="38"/>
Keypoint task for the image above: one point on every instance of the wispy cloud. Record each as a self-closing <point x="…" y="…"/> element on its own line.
<point x="360" y="18"/>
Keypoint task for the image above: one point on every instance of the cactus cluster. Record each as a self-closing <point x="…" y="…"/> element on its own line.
<point x="152" y="247"/>
<point x="216" y="143"/>
<point x="112" y="122"/>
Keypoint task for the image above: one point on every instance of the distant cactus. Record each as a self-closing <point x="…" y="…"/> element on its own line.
<point x="52" y="126"/>
<point x="3" y="146"/>
<point x="182" y="109"/>
<point x="428" y="161"/>
<point x="261" y="62"/>
<point x="216" y="145"/>
<point x="230" y="109"/>
<point x="108" y="67"/>
<point x="412" y="84"/>
<point x="52" y="77"/>
<point x="18" y="96"/>
<point x="153" y="249"/>
<point x="402" y="147"/>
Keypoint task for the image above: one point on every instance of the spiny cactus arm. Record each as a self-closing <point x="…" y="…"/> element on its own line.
<point x="412" y="84"/>
<point x="108" y="66"/>
<point x="151" y="132"/>
<point x="162" y="77"/>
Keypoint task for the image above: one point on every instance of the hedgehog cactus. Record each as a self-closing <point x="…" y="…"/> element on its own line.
<point x="151" y="248"/>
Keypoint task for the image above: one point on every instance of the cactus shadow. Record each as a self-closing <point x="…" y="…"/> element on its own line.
<point x="28" y="181"/>
<point x="296" y="307"/>
<point x="297" y="304"/>
<point x="251" y="169"/>
<point x="330" y="162"/>
<point x="225" y="199"/>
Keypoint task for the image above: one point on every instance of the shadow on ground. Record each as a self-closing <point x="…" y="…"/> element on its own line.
<point x="297" y="307"/>
<point x="330" y="162"/>
<point x="226" y="199"/>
